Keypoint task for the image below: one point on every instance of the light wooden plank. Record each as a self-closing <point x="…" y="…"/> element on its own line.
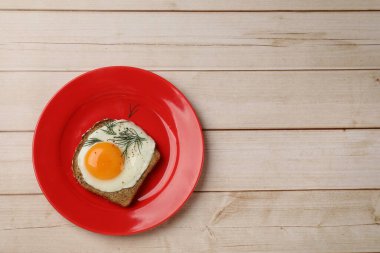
<point x="195" y="5"/>
<point x="56" y="57"/>
<point x="275" y="100"/>
<point x="312" y="221"/>
<point x="246" y="160"/>
<point x="277" y="29"/>
<point x="234" y="41"/>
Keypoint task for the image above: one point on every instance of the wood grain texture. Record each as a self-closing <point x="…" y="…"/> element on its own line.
<point x="58" y="57"/>
<point x="246" y="160"/>
<point x="214" y="41"/>
<point x="194" y="5"/>
<point x="255" y="100"/>
<point x="312" y="221"/>
<point x="274" y="64"/>
<point x="277" y="29"/>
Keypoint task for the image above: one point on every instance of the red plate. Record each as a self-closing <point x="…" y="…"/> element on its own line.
<point x="114" y="92"/>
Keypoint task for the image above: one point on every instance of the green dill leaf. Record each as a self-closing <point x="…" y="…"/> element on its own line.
<point x="132" y="110"/>
<point x="91" y="141"/>
<point x="129" y="138"/>
<point x="109" y="126"/>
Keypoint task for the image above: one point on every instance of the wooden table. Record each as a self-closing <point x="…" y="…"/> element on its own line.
<point x="288" y="93"/>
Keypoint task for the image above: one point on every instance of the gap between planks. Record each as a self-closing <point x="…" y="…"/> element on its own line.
<point x="246" y="129"/>
<point x="186" y="70"/>
<point x="175" y="11"/>
<point x="230" y="191"/>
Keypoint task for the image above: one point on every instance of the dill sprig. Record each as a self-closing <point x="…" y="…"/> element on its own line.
<point x="109" y="126"/>
<point x="91" y="141"/>
<point x="129" y="138"/>
<point x="132" y="110"/>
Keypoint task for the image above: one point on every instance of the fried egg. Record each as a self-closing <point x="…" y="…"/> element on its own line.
<point x="115" y="156"/>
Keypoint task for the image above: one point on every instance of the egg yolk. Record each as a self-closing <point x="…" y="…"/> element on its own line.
<point x="104" y="160"/>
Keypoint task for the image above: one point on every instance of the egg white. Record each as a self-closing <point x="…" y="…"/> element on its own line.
<point x="135" y="163"/>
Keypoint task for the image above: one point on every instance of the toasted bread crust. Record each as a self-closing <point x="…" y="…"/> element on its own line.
<point x="122" y="197"/>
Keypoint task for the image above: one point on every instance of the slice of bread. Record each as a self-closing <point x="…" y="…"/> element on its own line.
<point x="122" y="197"/>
